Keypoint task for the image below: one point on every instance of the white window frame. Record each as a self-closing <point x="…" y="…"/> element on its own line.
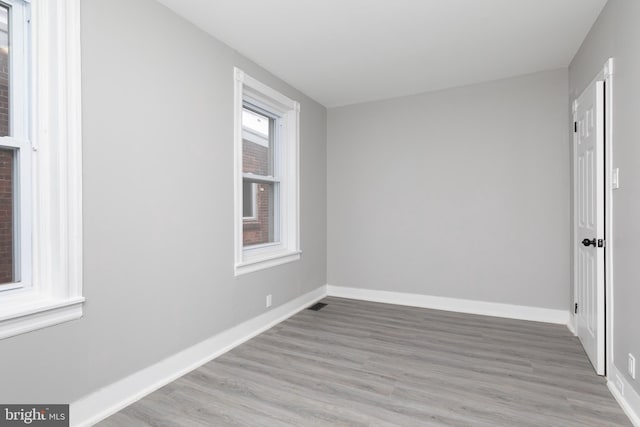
<point x="287" y="111"/>
<point x="55" y="294"/>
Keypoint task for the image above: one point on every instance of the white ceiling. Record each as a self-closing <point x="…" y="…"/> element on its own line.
<point x="348" y="51"/>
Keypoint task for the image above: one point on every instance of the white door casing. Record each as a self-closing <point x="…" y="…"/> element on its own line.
<point x="589" y="222"/>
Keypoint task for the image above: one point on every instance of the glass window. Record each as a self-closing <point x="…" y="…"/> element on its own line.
<point x="41" y="271"/>
<point x="266" y="144"/>
<point x="260" y="185"/>
<point x="249" y="201"/>
<point x="4" y="71"/>
<point x="15" y="147"/>
<point x="7" y="224"/>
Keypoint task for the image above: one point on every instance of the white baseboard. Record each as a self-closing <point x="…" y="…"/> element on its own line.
<point x="114" y="397"/>
<point x="626" y="396"/>
<point x="520" y="312"/>
<point x="571" y="325"/>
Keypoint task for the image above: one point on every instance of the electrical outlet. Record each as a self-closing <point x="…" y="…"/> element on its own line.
<point x="268" y="300"/>
<point x="631" y="367"/>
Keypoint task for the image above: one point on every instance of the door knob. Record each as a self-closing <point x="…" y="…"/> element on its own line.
<point x="588" y="242"/>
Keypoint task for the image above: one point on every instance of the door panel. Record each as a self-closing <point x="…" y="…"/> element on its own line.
<point x="589" y="161"/>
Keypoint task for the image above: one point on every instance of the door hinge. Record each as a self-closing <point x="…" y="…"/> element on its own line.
<point x="575" y="127"/>
<point x="601" y="243"/>
<point x="575" y="309"/>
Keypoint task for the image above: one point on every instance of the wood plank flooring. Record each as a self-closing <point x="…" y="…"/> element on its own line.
<point x="357" y="363"/>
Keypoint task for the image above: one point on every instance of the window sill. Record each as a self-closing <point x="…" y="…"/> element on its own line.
<point x="266" y="260"/>
<point x="28" y="311"/>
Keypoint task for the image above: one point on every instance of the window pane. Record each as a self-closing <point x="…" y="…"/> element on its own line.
<point x="261" y="230"/>
<point x="248" y="200"/>
<point x="7" y="158"/>
<point x="257" y="146"/>
<point x="4" y="71"/>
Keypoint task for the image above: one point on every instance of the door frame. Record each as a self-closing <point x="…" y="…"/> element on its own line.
<point x="605" y="74"/>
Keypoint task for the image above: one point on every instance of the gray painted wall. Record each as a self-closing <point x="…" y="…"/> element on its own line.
<point x="461" y="193"/>
<point x="158" y="206"/>
<point x="616" y="34"/>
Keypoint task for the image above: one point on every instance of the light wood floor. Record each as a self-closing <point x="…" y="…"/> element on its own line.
<point x="360" y="363"/>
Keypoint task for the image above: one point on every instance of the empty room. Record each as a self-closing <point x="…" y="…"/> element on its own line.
<point x="319" y="213"/>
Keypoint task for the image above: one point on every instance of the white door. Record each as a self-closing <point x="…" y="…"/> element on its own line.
<point x="589" y="162"/>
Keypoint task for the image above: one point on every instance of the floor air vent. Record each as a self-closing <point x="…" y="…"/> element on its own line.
<point x="317" y="306"/>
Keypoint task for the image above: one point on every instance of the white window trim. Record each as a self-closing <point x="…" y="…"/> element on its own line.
<point x="56" y="292"/>
<point x="259" y="257"/>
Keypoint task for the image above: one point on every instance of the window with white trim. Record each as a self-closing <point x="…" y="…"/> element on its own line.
<point x="266" y="176"/>
<point x="15" y="148"/>
<point x="40" y="165"/>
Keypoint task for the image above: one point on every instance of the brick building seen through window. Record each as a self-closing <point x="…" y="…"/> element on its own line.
<point x="6" y="161"/>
